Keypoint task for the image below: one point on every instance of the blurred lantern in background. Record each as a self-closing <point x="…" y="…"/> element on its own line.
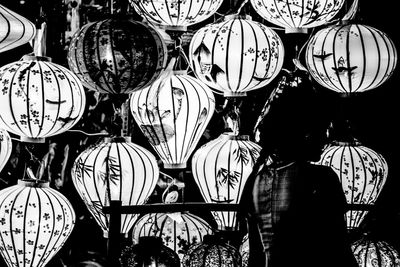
<point x="244" y="250"/>
<point x="114" y="169"/>
<point x="5" y="148"/>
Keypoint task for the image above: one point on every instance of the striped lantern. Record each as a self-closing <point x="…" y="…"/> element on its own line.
<point x="5" y="148"/>
<point x="375" y="253"/>
<point x="117" y="56"/>
<point x="114" y="169"/>
<point x="39" y="98"/>
<point x="221" y="168"/>
<point x="173" y="114"/>
<point x="15" y="30"/>
<point x="36" y="221"/>
<point x="362" y="172"/>
<point x="178" y="230"/>
<point x="350" y="58"/>
<point x="297" y="16"/>
<point x="236" y="55"/>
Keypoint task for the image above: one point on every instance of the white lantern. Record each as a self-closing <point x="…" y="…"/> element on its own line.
<point x="370" y="252"/>
<point x="5" y="148"/>
<point x="115" y="169"/>
<point x="39" y="98"/>
<point x="236" y="56"/>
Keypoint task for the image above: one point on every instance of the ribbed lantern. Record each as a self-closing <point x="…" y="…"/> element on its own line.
<point x="351" y="58"/>
<point x="114" y="169"/>
<point x="117" y="56"/>
<point x="15" y="30"/>
<point x="173" y="114"/>
<point x="362" y="172"/>
<point x="236" y="55"/>
<point x="39" y="98"/>
<point x="297" y="16"/>
<point x="177" y="230"/>
<point x="35" y="222"/>
<point x="221" y="168"/>
<point x="5" y="148"/>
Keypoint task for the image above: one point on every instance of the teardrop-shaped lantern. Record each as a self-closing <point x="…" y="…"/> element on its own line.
<point x="362" y="172"/>
<point x="351" y="58"/>
<point x="221" y="168"/>
<point x="15" y="30"/>
<point x="117" y="56"/>
<point x="173" y="114"/>
<point x="39" y="98"/>
<point x="5" y="148"/>
<point x="35" y="222"/>
<point x="114" y="169"/>
<point x="177" y="230"/>
<point x="236" y="55"/>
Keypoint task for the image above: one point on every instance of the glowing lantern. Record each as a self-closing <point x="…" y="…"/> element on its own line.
<point x="36" y="221"/>
<point x="115" y="169"/>
<point x="236" y="56"/>
<point x="173" y="114"/>
<point x="39" y="98"/>
<point x="117" y="56"/>
<point x="221" y="168"/>
<point x="350" y="58"/>
<point x="5" y="148"/>
<point x="362" y="172"/>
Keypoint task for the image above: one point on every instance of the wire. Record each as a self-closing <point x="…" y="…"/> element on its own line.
<point x="89" y="134"/>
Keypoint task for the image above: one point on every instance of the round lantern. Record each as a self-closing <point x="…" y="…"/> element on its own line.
<point x="115" y="169"/>
<point x="350" y="58"/>
<point x="297" y="16"/>
<point x="178" y="230"/>
<point x="221" y="168"/>
<point x="39" y="98"/>
<point x="362" y="172"/>
<point x="117" y="56"/>
<point x="36" y="221"/>
<point x="5" y="148"/>
<point x="236" y="56"/>
<point x="173" y="114"/>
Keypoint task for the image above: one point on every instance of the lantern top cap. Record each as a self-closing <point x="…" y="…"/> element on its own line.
<point x="233" y="136"/>
<point x="37" y="58"/>
<point x="117" y="139"/>
<point x="237" y="16"/>
<point x="346" y="143"/>
<point x="34" y="183"/>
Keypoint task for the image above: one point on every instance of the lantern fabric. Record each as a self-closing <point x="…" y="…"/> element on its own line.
<point x="177" y="230"/>
<point x="362" y="172"/>
<point x="173" y="113"/>
<point x="15" y="29"/>
<point x="36" y="221"/>
<point x="5" y="148"/>
<point x="114" y="169"/>
<point x="350" y="58"/>
<point x="39" y="98"/>
<point x="236" y="55"/>
<point x="244" y="250"/>
<point x="370" y="252"/>
<point x="221" y="168"/>
<point x="117" y="56"/>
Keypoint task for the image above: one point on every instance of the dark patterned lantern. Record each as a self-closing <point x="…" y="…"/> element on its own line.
<point x="36" y="221"/>
<point x="236" y="56"/>
<point x="362" y="172"/>
<point x="5" y="148"/>
<point x="221" y="168"/>
<point x="173" y="114"/>
<point x="39" y="98"/>
<point x="117" y="56"/>
<point x="114" y="169"/>
<point x="177" y="230"/>
<point x="350" y="58"/>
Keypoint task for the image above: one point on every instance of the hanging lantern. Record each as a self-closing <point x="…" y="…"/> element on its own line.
<point x="115" y="169"/>
<point x="117" y="56"/>
<point x="178" y="230"/>
<point x="173" y="114"/>
<point x="221" y="168"/>
<point x="39" y="98"/>
<point x="36" y="221"/>
<point x="236" y="56"/>
<point x="244" y="250"/>
<point x="350" y="58"/>
<point x="5" y="148"/>
<point x="362" y="172"/>
<point x="15" y="30"/>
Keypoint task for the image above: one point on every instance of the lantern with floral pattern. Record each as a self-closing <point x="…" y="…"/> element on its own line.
<point x="5" y="148"/>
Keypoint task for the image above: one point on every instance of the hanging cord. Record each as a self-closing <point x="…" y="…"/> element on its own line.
<point x="39" y="42"/>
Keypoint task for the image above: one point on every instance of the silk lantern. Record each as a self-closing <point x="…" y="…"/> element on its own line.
<point x="370" y="252"/>
<point x="350" y="58"/>
<point x="236" y="55"/>
<point x="36" y="221"/>
<point x="362" y="173"/>
<point x="5" y="148"/>
<point x="114" y="169"/>
<point x="117" y="56"/>
<point x="173" y="113"/>
<point x="221" y="168"/>
<point x="39" y="98"/>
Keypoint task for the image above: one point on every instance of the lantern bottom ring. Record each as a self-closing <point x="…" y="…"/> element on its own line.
<point x="296" y="30"/>
<point x="27" y="139"/>
<point x="235" y="94"/>
<point x="175" y="165"/>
